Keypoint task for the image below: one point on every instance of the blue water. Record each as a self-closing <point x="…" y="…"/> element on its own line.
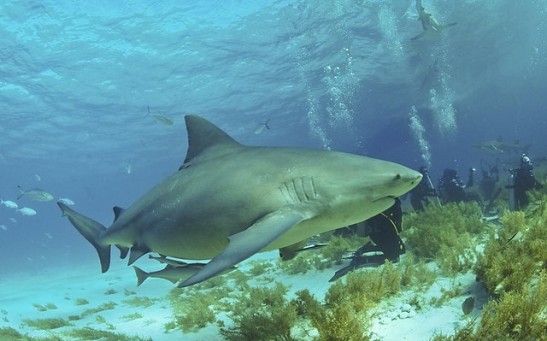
<point x="76" y="79"/>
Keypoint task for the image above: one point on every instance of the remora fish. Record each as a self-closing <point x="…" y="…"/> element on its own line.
<point x="229" y="201"/>
<point x="172" y="273"/>
<point x="35" y="194"/>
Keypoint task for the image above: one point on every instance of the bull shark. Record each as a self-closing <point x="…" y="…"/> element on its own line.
<point x="229" y="201"/>
<point x="429" y="23"/>
<point x="497" y="147"/>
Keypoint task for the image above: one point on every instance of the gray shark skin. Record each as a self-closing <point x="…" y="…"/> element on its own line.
<point x="229" y="201"/>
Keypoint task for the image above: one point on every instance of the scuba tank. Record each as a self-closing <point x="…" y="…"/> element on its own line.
<point x="510" y="185"/>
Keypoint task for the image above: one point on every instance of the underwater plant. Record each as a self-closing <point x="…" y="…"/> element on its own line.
<point x="103" y="335"/>
<point x="518" y="253"/>
<point x="261" y="313"/>
<point x="140" y="301"/>
<point x="105" y="306"/>
<point x="81" y="301"/>
<point x="10" y="334"/>
<point x="192" y="309"/>
<point x="445" y="234"/>
<point x="46" y="323"/>
<point x="131" y="317"/>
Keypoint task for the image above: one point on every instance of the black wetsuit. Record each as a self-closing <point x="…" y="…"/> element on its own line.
<point x="524" y="181"/>
<point x="383" y="230"/>
<point x="419" y="195"/>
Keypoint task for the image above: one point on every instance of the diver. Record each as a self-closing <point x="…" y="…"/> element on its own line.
<point x="487" y="184"/>
<point x="524" y="180"/>
<point x="452" y="189"/>
<point x="383" y="229"/>
<point x="419" y="196"/>
<point x="429" y="23"/>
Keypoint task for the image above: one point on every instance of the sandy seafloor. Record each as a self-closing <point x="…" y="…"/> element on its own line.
<point x="62" y="286"/>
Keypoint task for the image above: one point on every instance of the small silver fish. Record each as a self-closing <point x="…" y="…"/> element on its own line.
<point x="3" y="227"/>
<point x="35" y="194"/>
<point x="37" y="177"/>
<point x="160" y="118"/>
<point x="66" y="201"/>
<point x="128" y="168"/>
<point x="9" y="204"/>
<point x="27" y="211"/>
<point x="261" y="127"/>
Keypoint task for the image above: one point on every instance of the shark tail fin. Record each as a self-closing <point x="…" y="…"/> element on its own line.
<point x="21" y="192"/>
<point x="141" y="275"/>
<point x="91" y="230"/>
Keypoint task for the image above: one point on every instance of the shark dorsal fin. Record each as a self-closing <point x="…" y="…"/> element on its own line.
<point x="203" y="135"/>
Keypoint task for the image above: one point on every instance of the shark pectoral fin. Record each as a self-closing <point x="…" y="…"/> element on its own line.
<point x="248" y="242"/>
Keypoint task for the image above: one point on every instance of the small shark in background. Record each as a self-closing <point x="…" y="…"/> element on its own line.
<point x="429" y="23"/>
<point x="498" y="147"/>
<point x="261" y="127"/>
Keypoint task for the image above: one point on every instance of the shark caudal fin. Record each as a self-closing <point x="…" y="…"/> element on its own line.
<point x="91" y="230"/>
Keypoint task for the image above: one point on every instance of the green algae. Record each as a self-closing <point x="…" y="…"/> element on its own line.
<point x="95" y="334"/>
<point x="10" y="334"/>
<point x="447" y="234"/>
<point x="262" y="313"/>
<point x="46" y="323"/>
<point x="140" y="301"/>
<point x="81" y="301"/>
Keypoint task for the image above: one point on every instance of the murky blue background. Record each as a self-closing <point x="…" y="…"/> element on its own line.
<point x="76" y="79"/>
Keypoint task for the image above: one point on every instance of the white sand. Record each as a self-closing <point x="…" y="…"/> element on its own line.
<point x="62" y="286"/>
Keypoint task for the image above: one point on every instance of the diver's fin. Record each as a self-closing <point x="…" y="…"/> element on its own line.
<point x="91" y="230"/>
<point x="244" y="244"/>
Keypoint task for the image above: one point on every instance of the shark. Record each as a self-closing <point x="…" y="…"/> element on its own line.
<point x="229" y="201"/>
<point x="498" y="147"/>
<point x="429" y="23"/>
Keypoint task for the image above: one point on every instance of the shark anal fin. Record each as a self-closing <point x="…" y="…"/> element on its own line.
<point x="248" y="242"/>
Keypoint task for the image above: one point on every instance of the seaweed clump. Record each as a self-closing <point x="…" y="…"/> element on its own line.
<point x="46" y="323"/>
<point x="95" y="334"/>
<point x="261" y="313"/>
<point x="445" y="234"/>
<point x="518" y="253"/>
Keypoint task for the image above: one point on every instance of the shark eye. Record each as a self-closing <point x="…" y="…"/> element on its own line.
<point x="398" y="177"/>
